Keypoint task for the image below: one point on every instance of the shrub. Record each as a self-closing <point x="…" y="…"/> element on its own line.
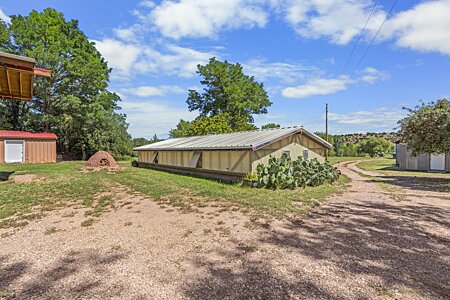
<point x="284" y="173"/>
<point x="251" y="176"/>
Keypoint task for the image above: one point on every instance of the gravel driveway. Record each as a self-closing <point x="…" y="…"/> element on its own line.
<point x="364" y="244"/>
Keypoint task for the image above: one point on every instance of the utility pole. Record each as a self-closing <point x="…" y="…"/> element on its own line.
<point x="326" y="129"/>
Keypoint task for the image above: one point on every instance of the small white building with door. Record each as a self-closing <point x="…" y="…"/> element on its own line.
<point x="406" y="160"/>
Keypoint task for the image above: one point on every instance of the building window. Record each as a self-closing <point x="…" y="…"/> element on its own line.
<point x="305" y="154"/>
<point x="154" y="158"/>
<point x="199" y="162"/>
<point x="287" y="153"/>
<point x="196" y="160"/>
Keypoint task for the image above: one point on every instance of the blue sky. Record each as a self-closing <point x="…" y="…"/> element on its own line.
<point x="297" y="48"/>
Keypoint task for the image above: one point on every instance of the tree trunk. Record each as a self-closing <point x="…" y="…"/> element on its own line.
<point x="83" y="153"/>
<point x="15" y="111"/>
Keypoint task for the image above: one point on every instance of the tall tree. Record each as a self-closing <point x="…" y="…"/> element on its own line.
<point x="426" y="129"/>
<point x="203" y="125"/>
<point x="5" y="40"/>
<point x="182" y="129"/>
<point x="228" y="91"/>
<point x="74" y="102"/>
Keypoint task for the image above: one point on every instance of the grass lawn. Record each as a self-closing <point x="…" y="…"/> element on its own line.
<point x="387" y="166"/>
<point x="337" y="159"/>
<point x="56" y="185"/>
<point x="439" y="182"/>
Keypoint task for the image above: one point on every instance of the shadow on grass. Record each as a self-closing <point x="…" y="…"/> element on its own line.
<point x="4" y="176"/>
<point x="432" y="184"/>
<point x="78" y="274"/>
<point x="188" y="176"/>
<point x="362" y="251"/>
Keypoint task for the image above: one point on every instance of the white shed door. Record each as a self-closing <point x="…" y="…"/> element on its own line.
<point x="437" y="162"/>
<point x="14" y="151"/>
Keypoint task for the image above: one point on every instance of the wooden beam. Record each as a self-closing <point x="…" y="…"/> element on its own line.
<point x="19" y="69"/>
<point x="20" y="84"/>
<point x="31" y="88"/>
<point x="9" y="82"/>
<point x="42" y="72"/>
<point x="18" y="98"/>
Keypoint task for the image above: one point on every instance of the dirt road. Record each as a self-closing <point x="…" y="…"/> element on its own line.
<point x="369" y="243"/>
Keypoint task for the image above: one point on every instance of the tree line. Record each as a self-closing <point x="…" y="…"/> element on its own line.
<point x="370" y="145"/>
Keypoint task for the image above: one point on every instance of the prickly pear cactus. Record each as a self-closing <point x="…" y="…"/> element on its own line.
<point x="284" y="173"/>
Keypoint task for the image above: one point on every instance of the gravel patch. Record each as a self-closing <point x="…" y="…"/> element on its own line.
<point x="360" y="245"/>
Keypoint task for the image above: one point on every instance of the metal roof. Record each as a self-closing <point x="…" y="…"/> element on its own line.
<point x="12" y="134"/>
<point x="244" y="140"/>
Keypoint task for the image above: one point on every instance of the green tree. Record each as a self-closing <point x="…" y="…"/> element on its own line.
<point x="138" y="142"/>
<point x="330" y="140"/>
<point x="348" y="149"/>
<point x="270" y="125"/>
<point x="5" y="40"/>
<point x="337" y="145"/>
<point x="74" y="102"/>
<point x="426" y="129"/>
<point x="181" y="130"/>
<point x="375" y="146"/>
<point x="228" y="91"/>
<point x="208" y="125"/>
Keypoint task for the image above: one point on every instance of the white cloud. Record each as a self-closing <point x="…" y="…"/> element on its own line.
<point x="371" y="75"/>
<point x="379" y="118"/>
<point x="4" y="17"/>
<point x="339" y="20"/>
<point x="147" y="3"/>
<point x="205" y="18"/>
<point x="316" y="87"/>
<point x="120" y="56"/>
<point x="149" y="117"/>
<point x="327" y="86"/>
<point x="425" y="27"/>
<point x="176" y="60"/>
<point x="150" y="91"/>
<point x="287" y="72"/>
<point x="126" y="58"/>
<point x="126" y="34"/>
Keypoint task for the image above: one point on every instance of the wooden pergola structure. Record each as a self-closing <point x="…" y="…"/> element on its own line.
<point x="17" y="76"/>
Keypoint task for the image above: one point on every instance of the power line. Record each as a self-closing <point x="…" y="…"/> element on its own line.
<point x="375" y="36"/>
<point x="359" y="37"/>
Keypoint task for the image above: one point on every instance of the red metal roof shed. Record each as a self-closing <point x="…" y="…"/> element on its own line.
<point x="10" y="134"/>
<point x="27" y="147"/>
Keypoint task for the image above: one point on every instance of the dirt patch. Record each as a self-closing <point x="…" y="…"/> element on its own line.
<point x="360" y="245"/>
<point x="25" y="178"/>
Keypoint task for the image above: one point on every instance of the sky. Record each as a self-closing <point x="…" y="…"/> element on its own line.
<point x="366" y="59"/>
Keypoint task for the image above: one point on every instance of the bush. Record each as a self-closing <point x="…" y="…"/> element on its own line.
<point x="284" y="173"/>
<point x="123" y="157"/>
<point x="251" y="176"/>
